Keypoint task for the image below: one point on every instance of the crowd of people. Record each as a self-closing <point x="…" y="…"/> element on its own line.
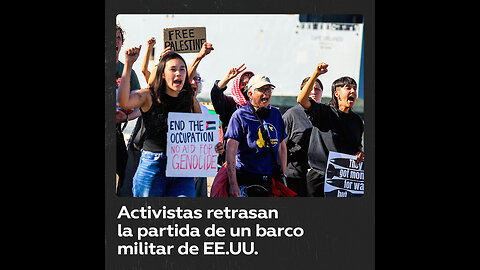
<point x="262" y="151"/>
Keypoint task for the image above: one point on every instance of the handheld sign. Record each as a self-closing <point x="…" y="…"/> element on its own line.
<point x="343" y="178"/>
<point x="184" y="39"/>
<point x="191" y="141"/>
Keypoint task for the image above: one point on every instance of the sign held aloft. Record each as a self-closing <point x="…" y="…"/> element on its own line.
<point x="344" y="177"/>
<point x="184" y="39"/>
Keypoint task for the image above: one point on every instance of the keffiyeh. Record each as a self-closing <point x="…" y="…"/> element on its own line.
<point x="237" y="92"/>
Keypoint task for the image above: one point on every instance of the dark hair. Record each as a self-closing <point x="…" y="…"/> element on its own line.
<point x="118" y="28"/>
<point x="248" y="74"/>
<point x="159" y="86"/>
<point x="340" y="82"/>
<point x="306" y="80"/>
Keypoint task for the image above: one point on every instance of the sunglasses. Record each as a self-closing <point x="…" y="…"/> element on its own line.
<point x="196" y="79"/>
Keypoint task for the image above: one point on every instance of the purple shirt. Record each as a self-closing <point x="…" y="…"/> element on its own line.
<point x="253" y="153"/>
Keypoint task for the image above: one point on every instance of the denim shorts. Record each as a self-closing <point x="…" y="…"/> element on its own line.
<point x="150" y="179"/>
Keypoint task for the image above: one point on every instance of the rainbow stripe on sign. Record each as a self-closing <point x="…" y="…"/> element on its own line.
<point x="211" y="125"/>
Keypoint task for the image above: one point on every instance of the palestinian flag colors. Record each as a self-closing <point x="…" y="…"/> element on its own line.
<point x="211" y="125"/>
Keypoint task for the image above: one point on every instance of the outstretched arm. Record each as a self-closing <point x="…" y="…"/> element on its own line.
<point x="127" y="100"/>
<point x="206" y="49"/>
<point x="232" y="73"/>
<point x="302" y="98"/>
<point x="151" y="42"/>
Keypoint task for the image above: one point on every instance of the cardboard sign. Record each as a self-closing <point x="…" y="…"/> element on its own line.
<point x="344" y="178"/>
<point x="184" y="39"/>
<point x="191" y="141"/>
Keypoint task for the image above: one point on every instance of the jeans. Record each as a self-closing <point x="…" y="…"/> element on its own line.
<point x="150" y="179"/>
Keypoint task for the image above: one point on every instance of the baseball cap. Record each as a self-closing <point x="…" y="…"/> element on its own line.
<point x="257" y="81"/>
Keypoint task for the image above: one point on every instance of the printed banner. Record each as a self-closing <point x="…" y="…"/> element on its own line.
<point x="344" y="178"/>
<point x="191" y="141"/>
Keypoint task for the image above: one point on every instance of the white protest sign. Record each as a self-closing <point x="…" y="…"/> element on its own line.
<point x="343" y="177"/>
<point x="191" y="141"/>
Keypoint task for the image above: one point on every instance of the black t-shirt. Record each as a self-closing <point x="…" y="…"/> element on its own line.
<point x="333" y="130"/>
<point x="155" y="121"/>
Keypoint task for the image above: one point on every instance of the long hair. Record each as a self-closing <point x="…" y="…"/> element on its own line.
<point x="159" y="85"/>
<point x="340" y="82"/>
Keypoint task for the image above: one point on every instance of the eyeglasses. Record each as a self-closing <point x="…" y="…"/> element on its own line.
<point x="264" y="89"/>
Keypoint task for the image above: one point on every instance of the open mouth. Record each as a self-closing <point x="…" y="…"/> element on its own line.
<point x="351" y="98"/>
<point x="177" y="82"/>
<point x="264" y="100"/>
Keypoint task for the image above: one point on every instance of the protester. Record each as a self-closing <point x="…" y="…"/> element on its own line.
<point x="122" y="116"/>
<point x="336" y="127"/>
<point x="249" y="159"/>
<point x="135" y="143"/>
<point x="299" y="128"/>
<point x="168" y="92"/>
<point x="225" y="105"/>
